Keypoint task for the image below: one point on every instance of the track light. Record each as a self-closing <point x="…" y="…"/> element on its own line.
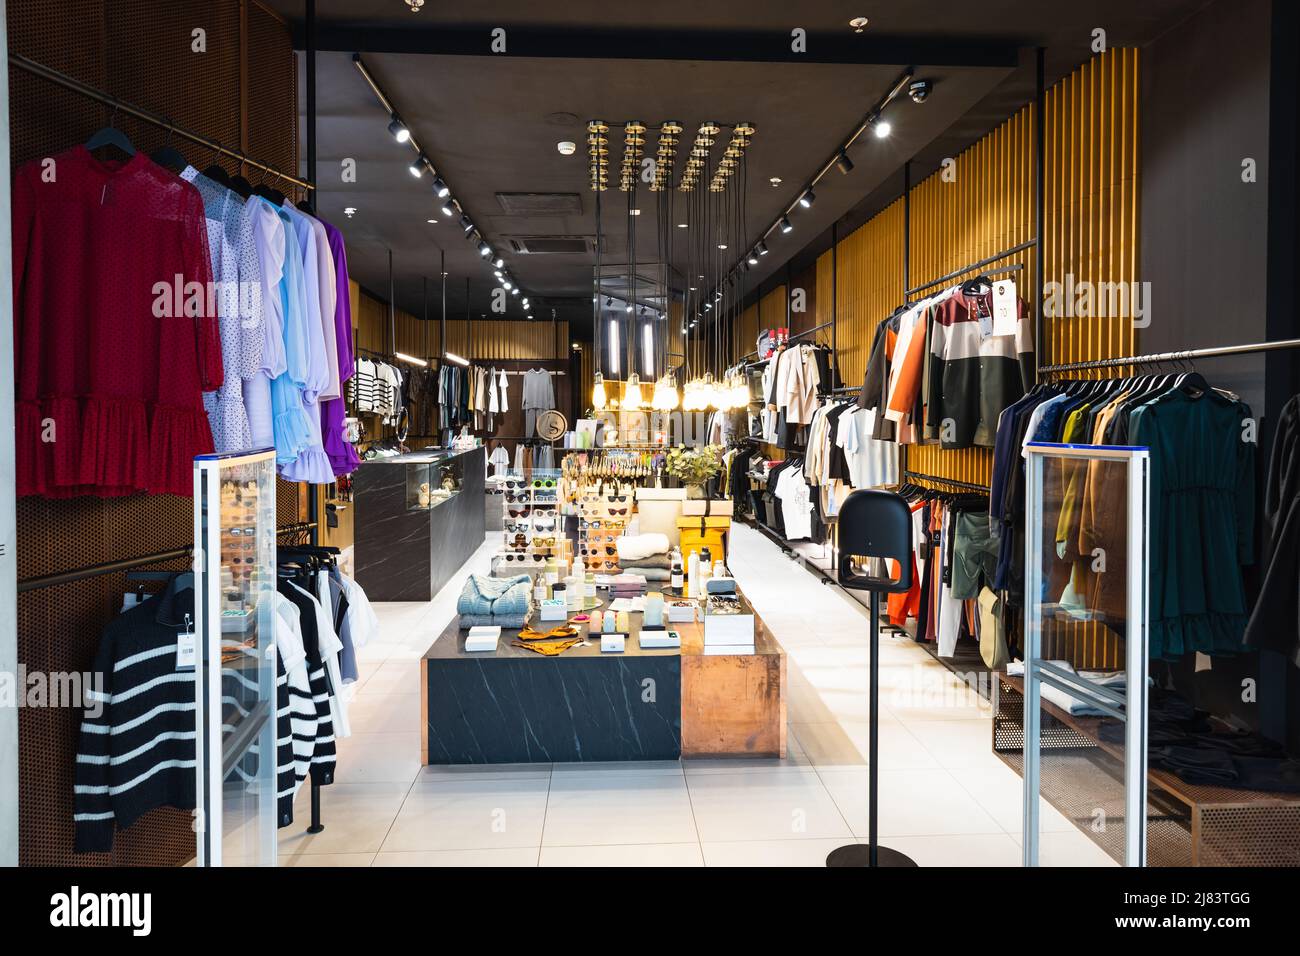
<point x="844" y="164"/>
<point x="417" y="166"/>
<point x="785" y="224"/>
<point x="484" y="250"/>
<point x="399" y="131"/>
<point x="499" y="262"/>
<point x="608" y="302"/>
<point x="628" y="309"/>
<point x="448" y="209"/>
<point x="515" y="290"/>
<point x="881" y="128"/>
<point x="753" y="258"/>
<point x="761" y="248"/>
<point x="499" y="274"/>
<point x="466" y="224"/>
<point x="440" y="188"/>
<point x="505" y="284"/>
<point x="807" y="199"/>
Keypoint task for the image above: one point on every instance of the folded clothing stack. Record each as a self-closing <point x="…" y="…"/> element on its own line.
<point x="645" y="554"/>
<point x="504" y="602"/>
<point x="627" y="584"/>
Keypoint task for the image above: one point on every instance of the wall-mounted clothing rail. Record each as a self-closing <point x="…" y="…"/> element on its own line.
<point x="140" y="113"/>
<point x="96" y="570"/>
<point x="1181" y="356"/>
<point x="958" y="273"/>
<point x="963" y="485"/>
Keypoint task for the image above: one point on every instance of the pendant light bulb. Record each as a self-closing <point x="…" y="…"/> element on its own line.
<point x="598" y="398"/>
<point x="632" y="391"/>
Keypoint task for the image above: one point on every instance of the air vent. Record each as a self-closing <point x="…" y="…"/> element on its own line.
<point x="542" y="245"/>
<point x="540" y="204"/>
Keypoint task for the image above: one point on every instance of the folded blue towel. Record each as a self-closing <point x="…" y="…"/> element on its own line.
<point x="496" y="597"/>
<point x="508" y="621"/>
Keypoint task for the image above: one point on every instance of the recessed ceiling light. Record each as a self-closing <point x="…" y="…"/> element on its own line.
<point x="349" y="211"/>
<point x="682" y="225"/>
<point x="634" y="212"/>
<point x="775" y="181"/>
<point x="415" y="5"/>
<point x="432" y="222"/>
<point x="722" y="245"/>
<point x="859" y="24"/>
<point x="566" y="147"/>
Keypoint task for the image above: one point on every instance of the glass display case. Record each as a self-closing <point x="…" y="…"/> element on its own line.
<point x="235" y="659"/>
<point x="432" y="481"/>
<point x="1086" y="646"/>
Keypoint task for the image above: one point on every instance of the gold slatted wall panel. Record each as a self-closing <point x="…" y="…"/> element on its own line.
<point x="494" y="339"/>
<point x="1091" y="201"/>
<point x="869" y="271"/>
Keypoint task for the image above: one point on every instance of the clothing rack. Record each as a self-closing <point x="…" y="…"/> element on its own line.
<point x="155" y="119"/>
<point x="953" y="482"/>
<point x="945" y="279"/>
<point x="1181" y="356"/>
<point x="96" y="570"/>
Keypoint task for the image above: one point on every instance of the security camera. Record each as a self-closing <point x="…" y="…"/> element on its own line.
<point x="919" y="91"/>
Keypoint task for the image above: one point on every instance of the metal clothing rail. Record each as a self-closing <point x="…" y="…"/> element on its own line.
<point x="96" y="570"/>
<point x="140" y="113"/>
<point x="964" y="485"/>
<point x="958" y="273"/>
<point x="1181" y="356"/>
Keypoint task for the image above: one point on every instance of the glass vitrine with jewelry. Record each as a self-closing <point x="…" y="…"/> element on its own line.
<point x="231" y="649"/>
<point x="433" y="480"/>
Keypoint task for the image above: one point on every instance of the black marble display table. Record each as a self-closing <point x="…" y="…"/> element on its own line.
<point x="408" y="544"/>
<point x="516" y="706"/>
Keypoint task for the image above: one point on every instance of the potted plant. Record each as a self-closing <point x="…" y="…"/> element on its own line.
<point x="693" y="467"/>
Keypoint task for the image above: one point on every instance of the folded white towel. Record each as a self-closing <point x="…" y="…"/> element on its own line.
<point x="636" y="547"/>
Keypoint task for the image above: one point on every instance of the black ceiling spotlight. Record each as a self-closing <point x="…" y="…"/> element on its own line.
<point x="785" y="224"/>
<point x="499" y="262"/>
<point x="466" y="224"/>
<point x="843" y="163"/>
<point x="399" y="130"/>
<point x="484" y="250"/>
<point x="761" y="248"/>
<point x="417" y="166"/>
<point x="440" y="188"/>
<point x="753" y="258"/>
<point x="808" y="198"/>
<point x="449" y="208"/>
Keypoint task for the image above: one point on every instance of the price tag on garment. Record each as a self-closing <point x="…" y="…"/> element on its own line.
<point x="1006" y="313"/>
<point x="186" y="647"/>
<point x="984" y="315"/>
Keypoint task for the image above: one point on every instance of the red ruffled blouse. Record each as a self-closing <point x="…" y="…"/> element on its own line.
<point x="116" y="333"/>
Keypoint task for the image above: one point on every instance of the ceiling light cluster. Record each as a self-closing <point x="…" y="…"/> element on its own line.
<point x="598" y="154"/>
<point x="699" y="158"/>
<point x="735" y="152"/>
<point x="633" y="147"/>
<point x="666" y="158"/>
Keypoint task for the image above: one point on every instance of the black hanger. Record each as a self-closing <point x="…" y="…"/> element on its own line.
<point x="168" y="156"/>
<point x="305" y="205"/>
<point x="218" y="175"/>
<point x="110" y="135"/>
<point x="273" y="196"/>
<point x="241" y="185"/>
<point x="979" y="285"/>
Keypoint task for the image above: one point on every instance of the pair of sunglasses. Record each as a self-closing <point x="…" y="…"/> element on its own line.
<point x="616" y="511"/>
<point x="595" y="552"/>
<point x="544" y="483"/>
<point x="535" y="558"/>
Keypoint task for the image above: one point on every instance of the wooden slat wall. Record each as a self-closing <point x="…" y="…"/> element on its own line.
<point x="1091" y="230"/>
<point x="493" y="339"/>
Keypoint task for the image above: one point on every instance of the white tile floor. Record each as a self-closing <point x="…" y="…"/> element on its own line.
<point x="944" y="798"/>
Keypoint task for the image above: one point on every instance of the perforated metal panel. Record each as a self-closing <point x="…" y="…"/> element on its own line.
<point x="143" y="53"/>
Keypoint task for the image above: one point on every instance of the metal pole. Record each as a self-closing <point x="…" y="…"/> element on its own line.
<point x="1040" y="139"/>
<point x="907" y="225"/>
<point x="442" y="331"/>
<point x="130" y="109"/>
<point x="835" y="298"/>
<point x="873" y="744"/>
<point x="313" y="491"/>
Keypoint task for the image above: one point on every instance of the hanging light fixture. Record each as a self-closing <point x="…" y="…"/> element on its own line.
<point x="598" y="397"/>
<point x="632" y="391"/>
